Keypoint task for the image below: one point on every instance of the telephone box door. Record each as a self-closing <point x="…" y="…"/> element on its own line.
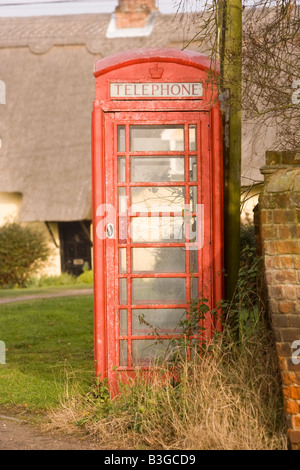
<point x="158" y="250"/>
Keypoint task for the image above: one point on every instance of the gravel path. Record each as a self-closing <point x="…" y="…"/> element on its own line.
<point x="65" y="293"/>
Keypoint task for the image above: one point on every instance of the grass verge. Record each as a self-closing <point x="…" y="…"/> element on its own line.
<point x="230" y="398"/>
<point x="49" y="344"/>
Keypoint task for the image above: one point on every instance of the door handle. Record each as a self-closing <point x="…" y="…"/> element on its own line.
<point x="110" y="230"/>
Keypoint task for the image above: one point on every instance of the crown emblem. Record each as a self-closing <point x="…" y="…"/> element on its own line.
<point x="156" y="72"/>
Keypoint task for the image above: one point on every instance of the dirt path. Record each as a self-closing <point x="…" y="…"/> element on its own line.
<point x="17" y="434"/>
<point x="65" y="293"/>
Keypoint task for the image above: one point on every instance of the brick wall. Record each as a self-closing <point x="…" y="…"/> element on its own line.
<point x="134" y="13"/>
<point x="279" y="213"/>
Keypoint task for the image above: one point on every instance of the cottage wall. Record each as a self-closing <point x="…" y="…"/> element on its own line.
<point x="10" y="205"/>
<point x="53" y="266"/>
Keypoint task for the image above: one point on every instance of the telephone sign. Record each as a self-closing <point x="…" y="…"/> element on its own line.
<point x="156" y="90"/>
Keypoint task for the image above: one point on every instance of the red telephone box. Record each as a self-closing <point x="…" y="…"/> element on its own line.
<point x="157" y="195"/>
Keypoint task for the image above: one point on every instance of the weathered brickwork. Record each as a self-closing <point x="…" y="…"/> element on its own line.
<point x="279" y="213"/>
<point x="134" y="13"/>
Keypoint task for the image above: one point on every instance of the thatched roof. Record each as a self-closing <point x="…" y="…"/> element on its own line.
<point x="47" y="65"/>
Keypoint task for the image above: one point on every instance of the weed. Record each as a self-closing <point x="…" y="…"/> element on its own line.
<point x="227" y="398"/>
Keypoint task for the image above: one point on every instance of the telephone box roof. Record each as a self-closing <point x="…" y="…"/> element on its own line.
<point x="123" y="59"/>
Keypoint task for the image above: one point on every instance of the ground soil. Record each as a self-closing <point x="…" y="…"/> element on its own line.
<point x="18" y="434"/>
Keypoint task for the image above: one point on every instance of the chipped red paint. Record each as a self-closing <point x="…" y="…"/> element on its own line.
<point x="157" y="67"/>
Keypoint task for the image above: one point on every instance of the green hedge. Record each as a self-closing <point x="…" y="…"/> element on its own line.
<point x="86" y="277"/>
<point x="23" y="251"/>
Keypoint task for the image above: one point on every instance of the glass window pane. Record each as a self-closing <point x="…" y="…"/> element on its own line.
<point x="178" y="230"/>
<point x="122" y="230"/>
<point x="123" y="322"/>
<point x="193" y="198"/>
<point x="122" y="200"/>
<point x="123" y="291"/>
<point x="195" y="288"/>
<point x="157" y="199"/>
<point x="159" y="290"/>
<point x="122" y="170"/>
<point x="193" y="168"/>
<point x="192" y="137"/>
<point x="123" y="353"/>
<point x="146" y="351"/>
<point x="159" y="321"/>
<point x="121" y="139"/>
<point x="194" y="261"/>
<point x="159" y="260"/>
<point x="122" y="261"/>
<point x="157" y="169"/>
<point x="157" y="138"/>
<point x="194" y="231"/>
<point x="157" y="229"/>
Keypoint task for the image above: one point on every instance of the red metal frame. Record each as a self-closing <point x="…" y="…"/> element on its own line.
<point x="107" y="115"/>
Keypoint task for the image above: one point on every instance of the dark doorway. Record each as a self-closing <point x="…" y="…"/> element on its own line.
<point x="75" y="246"/>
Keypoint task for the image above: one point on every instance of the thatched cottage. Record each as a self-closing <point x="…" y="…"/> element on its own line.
<point x="46" y="64"/>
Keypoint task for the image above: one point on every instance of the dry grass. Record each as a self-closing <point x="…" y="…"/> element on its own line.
<point x="227" y="399"/>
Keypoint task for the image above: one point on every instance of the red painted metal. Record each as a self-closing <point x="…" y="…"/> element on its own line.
<point x="99" y="246"/>
<point x="152" y="66"/>
<point x="145" y="56"/>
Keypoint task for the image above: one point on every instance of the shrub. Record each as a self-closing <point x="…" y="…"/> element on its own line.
<point x="86" y="277"/>
<point x="23" y="250"/>
<point x="247" y="236"/>
<point x="64" y="279"/>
